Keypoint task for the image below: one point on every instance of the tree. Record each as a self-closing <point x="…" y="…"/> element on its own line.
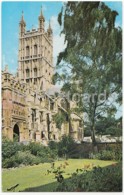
<point x="109" y="126"/>
<point x="66" y="146"/>
<point x="92" y="59"/>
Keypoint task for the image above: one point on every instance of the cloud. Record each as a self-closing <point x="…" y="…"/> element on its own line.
<point x="46" y="24"/>
<point x="55" y="25"/>
<point x="58" y="46"/>
<point x="58" y="40"/>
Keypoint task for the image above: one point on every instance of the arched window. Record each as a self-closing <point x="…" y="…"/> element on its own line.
<point x="51" y="105"/>
<point x="54" y="137"/>
<point x="35" y="49"/>
<point x="33" y="115"/>
<point x="41" y="87"/>
<point x="41" y="117"/>
<point x="42" y="135"/>
<point x="35" y="81"/>
<point x="27" y="73"/>
<point x="16" y="133"/>
<point x="27" y="51"/>
<point x="35" y="72"/>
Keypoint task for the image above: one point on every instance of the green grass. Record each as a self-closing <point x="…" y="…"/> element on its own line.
<point x="35" y="177"/>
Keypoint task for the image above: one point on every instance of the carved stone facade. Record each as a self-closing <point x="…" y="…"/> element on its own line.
<point x="27" y="107"/>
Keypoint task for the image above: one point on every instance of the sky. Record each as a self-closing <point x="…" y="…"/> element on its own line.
<point x="11" y="15"/>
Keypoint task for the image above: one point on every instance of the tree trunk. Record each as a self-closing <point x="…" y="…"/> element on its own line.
<point x="93" y="135"/>
<point x="94" y="143"/>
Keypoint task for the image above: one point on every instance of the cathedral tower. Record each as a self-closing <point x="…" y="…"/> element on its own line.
<point x="36" y="55"/>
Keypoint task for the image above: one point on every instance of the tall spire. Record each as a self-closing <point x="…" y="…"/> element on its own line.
<point x="22" y="19"/>
<point x="49" y="28"/>
<point x="49" y="24"/>
<point x="41" y="11"/>
<point x="41" y="17"/>
<point x="22" y="25"/>
<point x="22" y="15"/>
<point x="41" y="22"/>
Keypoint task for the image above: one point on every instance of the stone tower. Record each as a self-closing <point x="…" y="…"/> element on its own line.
<point x="35" y="55"/>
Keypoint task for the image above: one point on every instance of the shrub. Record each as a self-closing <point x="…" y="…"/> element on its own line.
<point x="14" y="154"/>
<point x="10" y="162"/>
<point x="53" y="145"/>
<point x="9" y="148"/>
<point x="117" y="149"/>
<point x="108" y="179"/>
<point x="66" y="146"/>
<point x="34" y="148"/>
<point x="112" y="152"/>
<point x="105" y="155"/>
<point x="27" y="158"/>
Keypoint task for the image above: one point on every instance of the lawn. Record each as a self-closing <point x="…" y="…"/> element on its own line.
<point x="36" y="176"/>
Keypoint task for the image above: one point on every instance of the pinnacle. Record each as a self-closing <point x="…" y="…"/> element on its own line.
<point x="41" y="15"/>
<point x="22" y="18"/>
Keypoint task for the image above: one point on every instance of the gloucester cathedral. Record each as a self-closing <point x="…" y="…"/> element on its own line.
<point x="28" y="103"/>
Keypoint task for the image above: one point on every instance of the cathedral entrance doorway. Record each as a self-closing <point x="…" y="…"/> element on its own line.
<point x="16" y="133"/>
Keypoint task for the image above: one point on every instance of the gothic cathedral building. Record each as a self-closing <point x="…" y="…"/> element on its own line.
<point x="28" y="109"/>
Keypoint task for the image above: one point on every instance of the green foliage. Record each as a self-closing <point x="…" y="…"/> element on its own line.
<point x="9" y="162"/>
<point x="53" y="145"/>
<point x="56" y="78"/>
<point x="87" y="131"/>
<point x="109" y="126"/>
<point x="66" y="146"/>
<point x="21" y="158"/>
<point x="34" y="148"/>
<point x="115" y="154"/>
<point x="15" y="137"/>
<point x="117" y="149"/>
<point x="105" y="126"/>
<point x="105" y="155"/>
<point x="93" y="56"/>
<point x="26" y="158"/>
<point x="114" y="131"/>
<point x="59" y="118"/>
<point x="9" y="148"/>
<point x="15" y="154"/>
<point x="107" y="179"/>
<point x="54" y="148"/>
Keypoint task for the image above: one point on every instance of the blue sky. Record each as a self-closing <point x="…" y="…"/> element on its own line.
<point x="11" y="14"/>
